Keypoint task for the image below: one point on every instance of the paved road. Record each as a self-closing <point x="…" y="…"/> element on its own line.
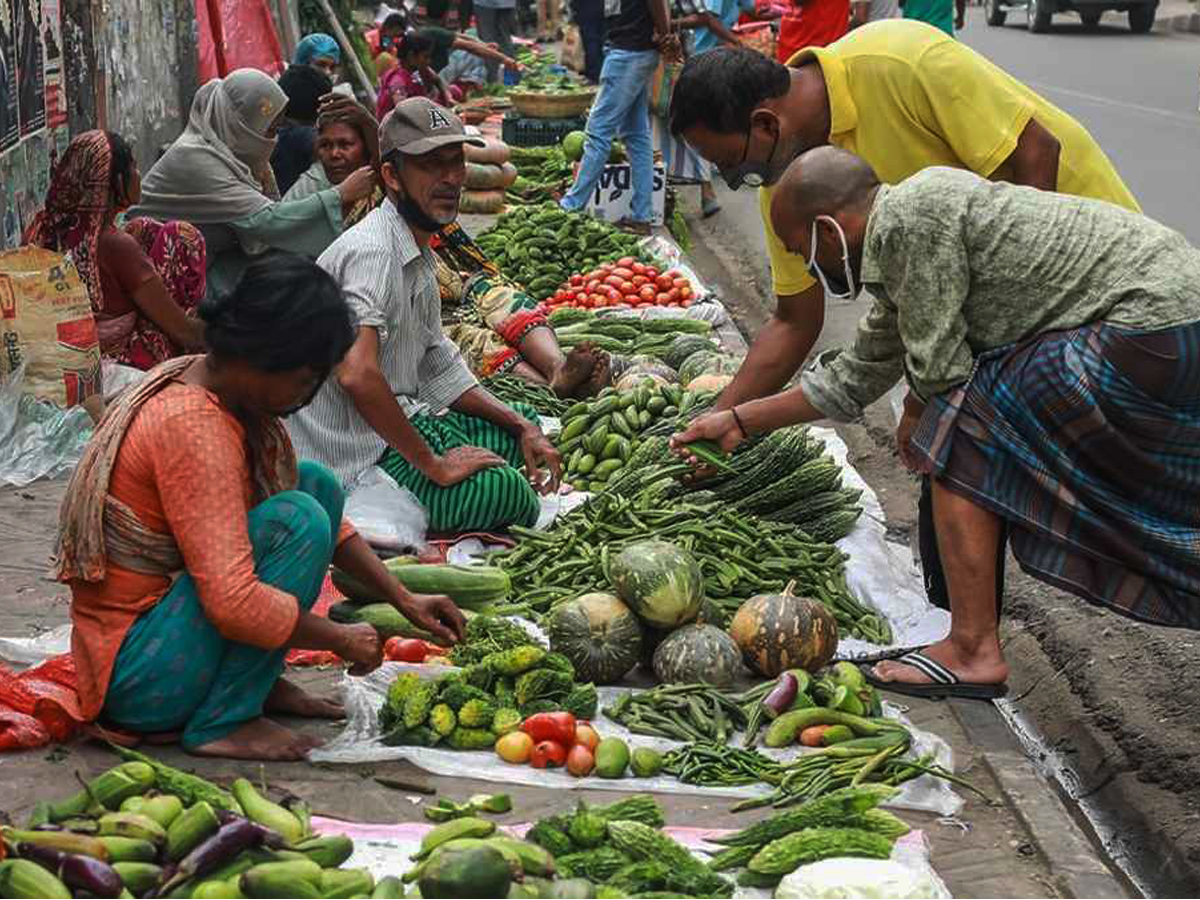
<point x="1137" y="94"/>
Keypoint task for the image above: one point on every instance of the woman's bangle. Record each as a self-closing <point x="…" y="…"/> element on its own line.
<point x="738" y="419"/>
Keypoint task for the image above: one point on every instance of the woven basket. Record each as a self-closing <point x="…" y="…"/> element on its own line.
<point x="552" y="106"/>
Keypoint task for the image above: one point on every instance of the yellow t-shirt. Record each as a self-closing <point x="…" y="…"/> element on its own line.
<point x="904" y="96"/>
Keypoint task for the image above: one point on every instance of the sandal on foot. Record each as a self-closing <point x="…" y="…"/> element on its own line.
<point x="709" y="207"/>
<point x="642" y="229"/>
<point x="943" y="682"/>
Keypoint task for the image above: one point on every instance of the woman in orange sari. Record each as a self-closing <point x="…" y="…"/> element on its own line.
<point x="195" y="545"/>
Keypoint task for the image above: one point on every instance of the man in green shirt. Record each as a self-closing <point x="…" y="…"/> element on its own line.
<point x="1051" y="345"/>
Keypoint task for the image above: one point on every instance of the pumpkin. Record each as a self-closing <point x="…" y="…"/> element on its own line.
<point x="709" y="383"/>
<point x="685" y="345"/>
<point x="777" y="632"/>
<point x="708" y="364"/>
<point x="659" y="581"/>
<point x="599" y="634"/>
<point x="698" y="654"/>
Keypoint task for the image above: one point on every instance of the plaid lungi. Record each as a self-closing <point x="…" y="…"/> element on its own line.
<point x="1088" y="442"/>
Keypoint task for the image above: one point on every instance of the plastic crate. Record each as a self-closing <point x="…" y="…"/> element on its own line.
<point x="519" y="131"/>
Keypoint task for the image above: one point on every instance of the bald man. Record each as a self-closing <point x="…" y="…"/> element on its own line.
<point x="1051" y="345"/>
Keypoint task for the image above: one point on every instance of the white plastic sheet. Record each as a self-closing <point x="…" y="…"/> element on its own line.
<point x="37" y="439"/>
<point x="387" y="515"/>
<point x="361" y="742"/>
<point x="882" y="573"/>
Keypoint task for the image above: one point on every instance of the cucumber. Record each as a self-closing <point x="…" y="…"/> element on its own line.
<point x="586" y="464"/>
<point x="612" y="447"/>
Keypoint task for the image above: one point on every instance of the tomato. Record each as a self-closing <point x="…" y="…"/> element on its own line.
<point x="639" y="280"/>
<point x="681" y="283"/>
<point x="673" y="295"/>
<point x="579" y="296"/>
<point x="409" y="650"/>
<point x="580" y="761"/>
<point x="651" y="272"/>
<point x="646" y="294"/>
<point x="685" y="303"/>
<point x="614" y="296"/>
<point x="662" y="299"/>
<point x="664" y="282"/>
<point x="614" y="280"/>
<point x="811" y="736"/>
<point x="622" y="272"/>
<point x="628" y="288"/>
<point x="638" y="268"/>
<point x="515" y="747"/>
<point x="602" y="271"/>
<point x="626" y="261"/>
<point x="598" y="298"/>
<point x="685" y="293"/>
<point x="593" y="285"/>
<point x="548" y="755"/>
<point x="586" y="735"/>
<point x="576" y="280"/>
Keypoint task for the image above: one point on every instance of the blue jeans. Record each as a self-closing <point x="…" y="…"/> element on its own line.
<point x="622" y="109"/>
<point x="176" y="672"/>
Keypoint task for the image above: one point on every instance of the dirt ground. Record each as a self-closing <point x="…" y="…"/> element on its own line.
<point x="1113" y="700"/>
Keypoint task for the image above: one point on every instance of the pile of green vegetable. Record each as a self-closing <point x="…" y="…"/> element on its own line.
<point x="471" y="708"/>
<point x="514" y="389"/>
<point x="599" y="437"/>
<point x="541" y="172"/>
<point x="622" y="849"/>
<point x="739" y="555"/>
<point x="628" y="335"/>
<point x="144" y="829"/>
<point x="542" y="246"/>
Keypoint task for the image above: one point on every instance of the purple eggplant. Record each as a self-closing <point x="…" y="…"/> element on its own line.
<point x="271" y="839"/>
<point x="80" y="873"/>
<point x="782" y="696"/>
<point x="228" y="842"/>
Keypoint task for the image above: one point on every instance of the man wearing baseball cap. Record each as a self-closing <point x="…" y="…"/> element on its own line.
<point x="403" y="397"/>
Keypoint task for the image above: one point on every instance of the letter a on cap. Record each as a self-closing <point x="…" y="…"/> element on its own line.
<point x="437" y="119"/>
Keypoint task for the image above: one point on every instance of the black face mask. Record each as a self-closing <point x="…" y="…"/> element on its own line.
<point x="416" y="217"/>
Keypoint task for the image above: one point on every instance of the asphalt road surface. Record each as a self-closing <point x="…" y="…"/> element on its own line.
<point x="1137" y="94"/>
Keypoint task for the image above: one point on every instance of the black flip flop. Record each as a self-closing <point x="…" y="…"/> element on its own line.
<point x="943" y="682"/>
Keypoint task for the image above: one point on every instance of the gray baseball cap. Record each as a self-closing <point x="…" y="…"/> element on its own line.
<point x="418" y="125"/>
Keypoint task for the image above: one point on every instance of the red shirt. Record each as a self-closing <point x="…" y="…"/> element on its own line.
<point x="811" y="23"/>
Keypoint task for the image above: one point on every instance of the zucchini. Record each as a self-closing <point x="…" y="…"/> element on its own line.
<point x="471" y="587"/>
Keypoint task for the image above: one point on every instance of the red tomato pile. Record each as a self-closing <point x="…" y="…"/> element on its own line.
<point x="626" y="282"/>
<point x="550" y="741"/>
<point x="413" y="650"/>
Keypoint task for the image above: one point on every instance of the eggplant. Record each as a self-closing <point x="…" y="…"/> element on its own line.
<point x="219" y="849"/>
<point x="782" y="696"/>
<point x="80" y="873"/>
<point x="272" y="839"/>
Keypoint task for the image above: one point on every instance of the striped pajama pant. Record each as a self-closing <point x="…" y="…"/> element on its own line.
<point x="489" y="500"/>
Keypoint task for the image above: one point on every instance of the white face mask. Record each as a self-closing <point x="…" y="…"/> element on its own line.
<point x="834" y="288"/>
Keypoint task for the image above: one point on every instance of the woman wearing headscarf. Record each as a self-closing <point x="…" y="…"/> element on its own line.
<point x="347" y="140"/>
<point x="217" y="176"/>
<point x="322" y="52"/>
<point x="145" y="280"/>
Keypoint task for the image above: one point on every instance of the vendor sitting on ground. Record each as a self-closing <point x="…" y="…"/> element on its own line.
<point x="145" y="280"/>
<point x="1050" y="343"/>
<point x="499" y="328"/>
<point x="195" y="545"/>
<point x="404" y="398"/>
<point x="296" y="140"/>
<point x="347" y="140"/>
<point x="217" y="176"/>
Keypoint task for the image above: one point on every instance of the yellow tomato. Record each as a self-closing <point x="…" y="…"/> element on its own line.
<point x="515" y="747"/>
<point x="586" y="735"/>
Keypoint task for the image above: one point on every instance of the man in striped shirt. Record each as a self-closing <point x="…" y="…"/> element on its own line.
<point x="403" y="397"/>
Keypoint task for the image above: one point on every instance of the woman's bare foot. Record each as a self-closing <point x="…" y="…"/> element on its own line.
<point x="290" y="700"/>
<point x="601" y="376"/>
<point x="260" y="739"/>
<point x="574" y="371"/>
<point x="983" y="665"/>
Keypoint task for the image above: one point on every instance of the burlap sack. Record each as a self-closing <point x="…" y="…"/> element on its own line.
<point x="46" y="323"/>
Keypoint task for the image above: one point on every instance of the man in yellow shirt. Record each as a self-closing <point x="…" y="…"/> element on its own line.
<point x="902" y="95"/>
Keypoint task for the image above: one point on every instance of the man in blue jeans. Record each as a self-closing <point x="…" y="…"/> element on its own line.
<point x="637" y="31"/>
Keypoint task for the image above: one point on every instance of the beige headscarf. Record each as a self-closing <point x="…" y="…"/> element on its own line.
<point x="219" y="170"/>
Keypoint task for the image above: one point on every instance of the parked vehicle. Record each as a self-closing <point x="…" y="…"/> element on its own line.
<point x="1141" y="14"/>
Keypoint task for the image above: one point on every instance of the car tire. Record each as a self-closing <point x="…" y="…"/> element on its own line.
<point x="1039" y="16"/>
<point x="996" y="14"/>
<point x="1091" y="18"/>
<point x="1141" y="18"/>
